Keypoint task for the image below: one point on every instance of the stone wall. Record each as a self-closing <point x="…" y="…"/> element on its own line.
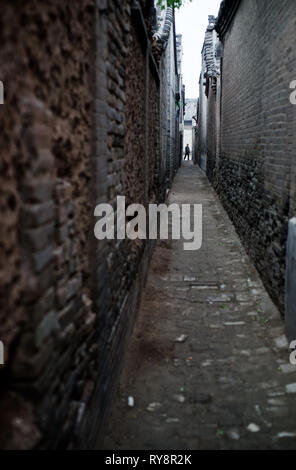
<point x="168" y="107"/>
<point x="46" y="318"/>
<point x="201" y="144"/>
<point x="80" y="126"/>
<point x="208" y="130"/>
<point x="211" y="136"/>
<point x="258" y="130"/>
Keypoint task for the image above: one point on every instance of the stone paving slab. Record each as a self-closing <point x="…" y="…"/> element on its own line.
<point x="208" y="363"/>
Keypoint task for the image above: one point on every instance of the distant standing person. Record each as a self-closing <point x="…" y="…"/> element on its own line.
<point x="187" y="152"/>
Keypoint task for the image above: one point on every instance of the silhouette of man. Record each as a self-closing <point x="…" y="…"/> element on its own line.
<point x="187" y="152"/>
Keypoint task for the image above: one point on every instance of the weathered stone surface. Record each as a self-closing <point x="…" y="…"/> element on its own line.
<point x="19" y="430"/>
<point x="81" y="126"/>
<point x="248" y="127"/>
<point x="290" y="286"/>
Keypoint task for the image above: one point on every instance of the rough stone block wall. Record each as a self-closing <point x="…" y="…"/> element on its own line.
<point x="258" y="132"/>
<point x="46" y="316"/>
<point x="170" y="131"/>
<point x="211" y="135"/>
<point x="73" y="135"/>
<point x="154" y="191"/>
<point x="164" y="99"/>
<point x="129" y="170"/>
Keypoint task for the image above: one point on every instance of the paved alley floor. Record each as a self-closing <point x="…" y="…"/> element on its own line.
<point x="208" y="363"/>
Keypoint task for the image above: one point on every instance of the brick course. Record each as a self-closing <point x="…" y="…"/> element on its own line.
<point x="253" y="171"/>
<point x="80" y="126"/>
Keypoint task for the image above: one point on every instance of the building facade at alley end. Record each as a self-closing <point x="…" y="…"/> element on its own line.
<point x="94" y="106"/>
<point x="246" y="134"/>
<point x="189" y="123"/>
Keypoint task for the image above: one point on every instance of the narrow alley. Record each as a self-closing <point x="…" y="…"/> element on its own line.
<point x="120" y="119"/>
<point x="207" y="365"/>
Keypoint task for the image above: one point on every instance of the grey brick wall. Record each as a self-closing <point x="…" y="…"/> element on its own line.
<point x="258" y="127"/>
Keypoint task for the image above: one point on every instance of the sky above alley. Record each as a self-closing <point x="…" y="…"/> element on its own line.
<point x="191" y="22"/>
